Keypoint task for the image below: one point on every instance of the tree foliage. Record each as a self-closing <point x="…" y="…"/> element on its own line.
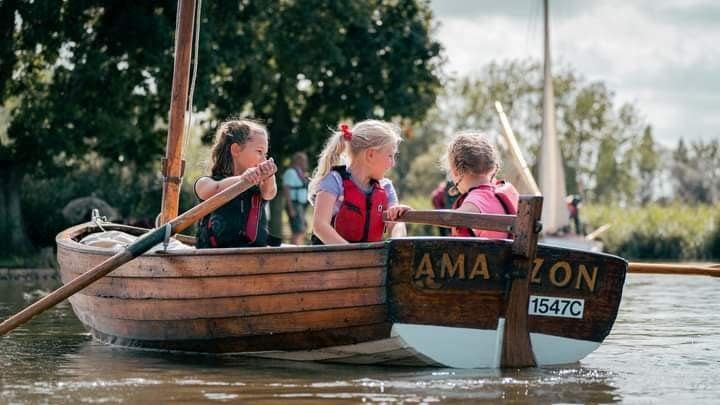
<point x="599" y="140"/>
<point x="418" y="167"/>
<point x="91" y="79"/>
<point x="696" y="172"/>
<point x="648" y="166"/>
<point x="96" y="75"/>
<point x="303" y="66"/>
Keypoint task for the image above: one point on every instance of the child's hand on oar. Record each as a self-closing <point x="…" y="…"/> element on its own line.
<point x="255" y="175"/>
<point x="252" y="175"/>
<point x="396" y="211"/>
<point x="267" y="168"/>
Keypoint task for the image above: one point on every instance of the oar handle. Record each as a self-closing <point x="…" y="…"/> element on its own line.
<point x="140" y="246"/>
<point x="674" y="269"/>
<point x="455" y="218"/>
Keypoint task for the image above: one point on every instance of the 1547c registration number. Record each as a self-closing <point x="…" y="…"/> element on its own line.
<point x="556" y="306"/>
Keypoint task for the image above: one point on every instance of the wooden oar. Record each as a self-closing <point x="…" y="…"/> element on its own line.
<point x="594" y="234"/>
<point x="712" y="270"/>
<point x="451" y="218"/>
<point x="135" y="249"/>
<point x="515" y="153"/>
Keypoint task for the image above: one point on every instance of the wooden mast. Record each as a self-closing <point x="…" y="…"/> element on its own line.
<point x="172" y="165"/>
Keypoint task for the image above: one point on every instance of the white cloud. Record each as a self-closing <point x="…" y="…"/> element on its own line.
<point x="653" y="54"/>
<point x="471" y="44"/>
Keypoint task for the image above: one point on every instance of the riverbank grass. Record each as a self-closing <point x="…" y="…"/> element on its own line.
<point x="654" y="231"/>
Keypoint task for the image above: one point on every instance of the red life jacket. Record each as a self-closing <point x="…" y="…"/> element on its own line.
<point x="505" y="192"/>
<point x="360" y="218"/>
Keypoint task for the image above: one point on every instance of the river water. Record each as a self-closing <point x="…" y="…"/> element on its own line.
<point x="664" y="348"/>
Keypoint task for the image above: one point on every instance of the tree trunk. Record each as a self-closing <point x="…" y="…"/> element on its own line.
<point x="4" y="234"/>
<point x="12" y="228"/>
<point x="280" y="127"/>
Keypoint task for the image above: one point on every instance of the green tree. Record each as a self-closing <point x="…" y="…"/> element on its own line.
<point x="92" y="78"/>
<point x="418" y="163"/>
<point x="593" y="132"/>
<point x="707" y="161"/>
<point x="585" y="118"/>
<point x="648" y="165"/>
<point x="696" y="172"/>
<point x="24" y="64"/>
<point x="608" y="170"/>
<point x="515" y="84"/>
<point x="304" y="66"/>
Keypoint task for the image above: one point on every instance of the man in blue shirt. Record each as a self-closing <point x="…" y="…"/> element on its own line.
<point x="295" y="184"/>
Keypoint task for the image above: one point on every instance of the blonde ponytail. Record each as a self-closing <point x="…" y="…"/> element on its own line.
<point x="329" y="157"/>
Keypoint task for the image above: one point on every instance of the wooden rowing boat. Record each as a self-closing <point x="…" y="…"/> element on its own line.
<point x="407" y="301"/>
<point x="457" y="302"/>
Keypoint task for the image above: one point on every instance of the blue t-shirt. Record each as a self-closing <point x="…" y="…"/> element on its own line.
<point x="298" y="189"/>
<point x="332" y="183"/>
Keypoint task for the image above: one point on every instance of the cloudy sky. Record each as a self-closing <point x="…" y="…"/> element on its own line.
<point x="662" y="55"/>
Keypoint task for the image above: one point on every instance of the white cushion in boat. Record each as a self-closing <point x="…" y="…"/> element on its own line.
<point x="117" y="240"/>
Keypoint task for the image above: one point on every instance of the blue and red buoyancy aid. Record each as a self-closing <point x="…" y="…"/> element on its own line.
<point x="360" y="218"/>
<point x="505" y="192"/>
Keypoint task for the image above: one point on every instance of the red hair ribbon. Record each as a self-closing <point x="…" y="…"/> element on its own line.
<point x="346" y="133"/>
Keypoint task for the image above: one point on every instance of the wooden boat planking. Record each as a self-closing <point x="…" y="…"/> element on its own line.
<point x="305" y="302"/>
<point x="227" y="292"/>
<point x="445" y="296"/>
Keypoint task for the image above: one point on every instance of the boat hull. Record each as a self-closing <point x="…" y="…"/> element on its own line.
<point x="410" y="301"/>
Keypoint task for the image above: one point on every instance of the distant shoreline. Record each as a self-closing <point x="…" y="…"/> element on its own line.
<point x="28" y="274"/>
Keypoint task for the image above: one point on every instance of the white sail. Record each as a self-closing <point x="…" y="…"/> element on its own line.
<point x="551" y="176"/>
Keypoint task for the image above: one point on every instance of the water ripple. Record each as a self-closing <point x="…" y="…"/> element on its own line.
<point x="663" y="348"/>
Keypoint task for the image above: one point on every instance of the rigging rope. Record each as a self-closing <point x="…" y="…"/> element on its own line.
<point x="189" y="107"/>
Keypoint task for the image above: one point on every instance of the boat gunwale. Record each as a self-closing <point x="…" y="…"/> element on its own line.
<point x="66" y="240"/>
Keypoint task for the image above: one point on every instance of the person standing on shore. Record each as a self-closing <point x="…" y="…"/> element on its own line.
<point x="295" y="183"/>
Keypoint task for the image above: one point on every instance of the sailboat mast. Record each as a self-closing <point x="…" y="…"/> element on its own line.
<point x="173" y="165"/>
<point x="550" y="166"/>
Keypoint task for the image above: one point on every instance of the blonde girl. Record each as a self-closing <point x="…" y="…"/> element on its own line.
<point x="239" y="153"/>
<point x="349" y="200"/>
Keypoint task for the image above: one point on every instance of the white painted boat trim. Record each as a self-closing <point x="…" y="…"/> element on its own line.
<point x="554" y="350"/>
<point x="478" y="348"/>
<point x="451" y="347"/>
<point x="499" y="342"/>
<point x="427" y="345"/>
